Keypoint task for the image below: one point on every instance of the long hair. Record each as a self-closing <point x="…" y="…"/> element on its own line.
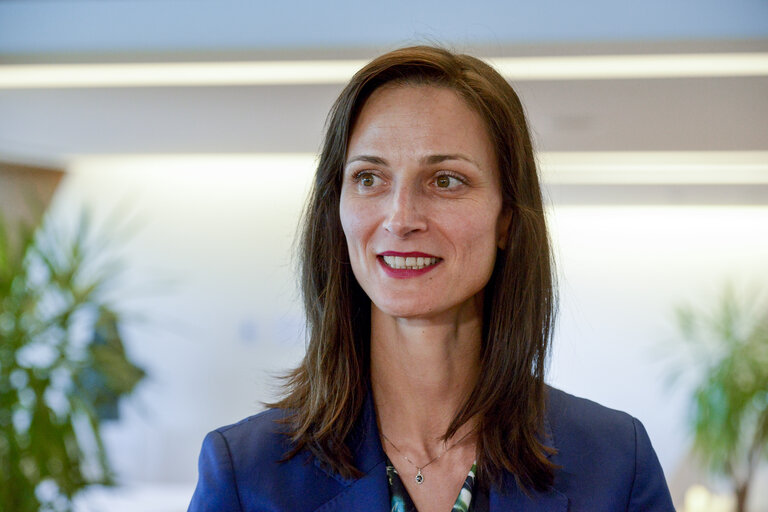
<point x="325" y="393"/>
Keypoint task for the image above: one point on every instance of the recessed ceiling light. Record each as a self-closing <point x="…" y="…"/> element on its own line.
<point x="597" y="67"/>
<point x="655" y="167"/>
<point x="179" y="74"/>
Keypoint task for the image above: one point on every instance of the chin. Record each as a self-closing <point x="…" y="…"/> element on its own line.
<point x="404" y="309"/>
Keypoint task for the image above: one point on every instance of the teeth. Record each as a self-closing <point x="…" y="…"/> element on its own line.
<point x="409" y="263"/>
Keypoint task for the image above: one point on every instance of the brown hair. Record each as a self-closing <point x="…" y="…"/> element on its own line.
<point x="326" y="392"/>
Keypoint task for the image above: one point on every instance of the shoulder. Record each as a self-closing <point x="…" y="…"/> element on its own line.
<point x="261" y="436"/>
<point x="577" y="419"/>
<point x="242" y="467"/>
<point x="605" y="456"/>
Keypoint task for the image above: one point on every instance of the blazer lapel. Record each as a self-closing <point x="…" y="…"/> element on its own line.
<point x="369" y="493"/>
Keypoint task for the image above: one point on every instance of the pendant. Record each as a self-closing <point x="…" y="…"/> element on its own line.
<point x="419" y="477"/>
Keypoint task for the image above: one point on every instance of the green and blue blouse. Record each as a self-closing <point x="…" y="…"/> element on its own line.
<point x="400" y="500"/>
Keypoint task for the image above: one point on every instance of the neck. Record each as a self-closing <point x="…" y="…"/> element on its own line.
<point x="422" y="371"/>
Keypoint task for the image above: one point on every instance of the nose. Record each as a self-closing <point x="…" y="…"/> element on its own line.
<point x="405" y="215"/>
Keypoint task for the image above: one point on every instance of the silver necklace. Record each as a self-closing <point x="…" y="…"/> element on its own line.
<point x="419" y="477"/>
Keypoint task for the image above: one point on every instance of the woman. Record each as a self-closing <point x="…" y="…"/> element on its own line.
<point x="427" y="282"/>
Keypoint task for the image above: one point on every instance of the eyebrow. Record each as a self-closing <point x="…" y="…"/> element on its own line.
<point x="427" y="160"/>
<point x="436" y="159"/>
<point x="368" y="158"/>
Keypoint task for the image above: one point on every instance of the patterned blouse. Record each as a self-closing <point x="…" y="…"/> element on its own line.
<point x="400" y="500"/>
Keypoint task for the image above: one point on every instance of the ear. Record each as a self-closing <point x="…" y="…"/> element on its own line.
<point x="502" y="228"/>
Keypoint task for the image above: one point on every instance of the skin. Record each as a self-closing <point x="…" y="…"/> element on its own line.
<point x="421" y="175"/>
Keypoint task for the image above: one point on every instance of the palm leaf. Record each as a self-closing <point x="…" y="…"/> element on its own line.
<point x="49" y="280"/>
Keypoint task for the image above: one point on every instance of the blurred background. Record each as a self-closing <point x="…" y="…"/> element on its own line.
<point x="187" y="130"/>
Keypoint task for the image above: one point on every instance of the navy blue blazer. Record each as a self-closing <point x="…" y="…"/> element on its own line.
<point x="606" y="463"/>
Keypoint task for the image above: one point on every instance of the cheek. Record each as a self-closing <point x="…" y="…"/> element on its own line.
<point x="353" y="225"/>
<point x="475" y="227"/>
<point x="356" y="231"/>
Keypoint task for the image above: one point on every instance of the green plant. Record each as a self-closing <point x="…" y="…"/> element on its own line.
<point x="62" y="364"/>
<point x="728" y="348"/>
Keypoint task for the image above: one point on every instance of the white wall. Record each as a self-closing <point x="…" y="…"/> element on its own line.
<point x="624" y="270"/>
<point x="212" y="275"/>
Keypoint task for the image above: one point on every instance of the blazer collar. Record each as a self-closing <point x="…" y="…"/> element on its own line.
<point x="370" y="493"/>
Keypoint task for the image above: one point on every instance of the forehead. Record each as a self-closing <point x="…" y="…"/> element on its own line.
<point x="419" y="118"/>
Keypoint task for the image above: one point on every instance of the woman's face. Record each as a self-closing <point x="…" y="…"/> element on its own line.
<point x="421" y="204"/>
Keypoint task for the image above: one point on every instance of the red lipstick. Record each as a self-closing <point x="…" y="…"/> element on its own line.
<point x="395" y="264"/>
<point x="407" y="254"/>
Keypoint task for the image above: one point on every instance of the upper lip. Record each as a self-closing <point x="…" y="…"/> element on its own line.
<point x="413" y="254"/>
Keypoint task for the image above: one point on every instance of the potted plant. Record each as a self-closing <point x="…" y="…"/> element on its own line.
<point x="727" y="348"/>
<point x="63" y="366"/>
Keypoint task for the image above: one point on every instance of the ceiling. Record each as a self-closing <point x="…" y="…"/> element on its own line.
<point x="131" y="26"/>
<point x="727" y="113"/>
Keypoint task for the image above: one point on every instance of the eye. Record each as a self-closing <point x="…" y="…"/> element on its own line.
<point x="365" y="179"/>
<point x="448" y="181"/>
